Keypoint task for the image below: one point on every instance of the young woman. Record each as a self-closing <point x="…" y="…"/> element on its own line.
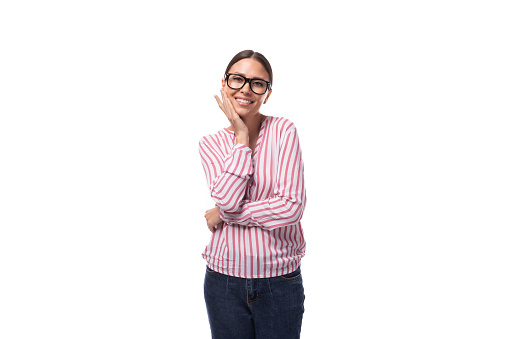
<point x="253" y="284"/>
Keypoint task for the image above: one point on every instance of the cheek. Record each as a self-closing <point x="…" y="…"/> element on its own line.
<point x="230" y="95"/>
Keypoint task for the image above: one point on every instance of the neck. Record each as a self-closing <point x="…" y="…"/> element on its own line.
<point x="253" y="124"/>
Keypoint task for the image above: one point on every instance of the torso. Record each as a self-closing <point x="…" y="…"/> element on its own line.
<point x="256" y="252"/>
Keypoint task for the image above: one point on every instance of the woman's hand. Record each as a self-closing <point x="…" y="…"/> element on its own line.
<point x="238" y="125"/>
<point x="213" y="219"/>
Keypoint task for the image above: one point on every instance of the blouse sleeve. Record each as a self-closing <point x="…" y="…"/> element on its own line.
<point x="227" y="178"/>
<point x="287" y="204"/>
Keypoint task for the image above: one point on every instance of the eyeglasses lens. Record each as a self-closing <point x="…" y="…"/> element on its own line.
<point x="237" y="82"/>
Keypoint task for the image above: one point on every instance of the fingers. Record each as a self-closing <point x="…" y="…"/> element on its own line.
<point x="213" y="228"/>
<point x="232" y="115"/>
<point x="229" y="106"/>
<point x="219" y="103"/>
<point x="225" y="106"/>
<point x="211" y="223"/>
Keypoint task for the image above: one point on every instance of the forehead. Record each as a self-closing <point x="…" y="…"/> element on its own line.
<point x="250" y="68"/>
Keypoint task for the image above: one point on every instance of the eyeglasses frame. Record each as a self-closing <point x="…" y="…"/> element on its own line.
<point x="248" y="80"/>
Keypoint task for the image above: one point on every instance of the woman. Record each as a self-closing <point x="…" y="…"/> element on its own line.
<point x="253" y="284"/>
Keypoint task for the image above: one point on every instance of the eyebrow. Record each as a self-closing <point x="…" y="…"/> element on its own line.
<point x="255" y="78"/>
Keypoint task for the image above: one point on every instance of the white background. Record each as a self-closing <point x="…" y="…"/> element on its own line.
<point x="401" y="108"/>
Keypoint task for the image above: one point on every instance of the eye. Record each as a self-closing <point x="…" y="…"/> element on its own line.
<point x="237" y="78"/>
<point x="258" y="84"/>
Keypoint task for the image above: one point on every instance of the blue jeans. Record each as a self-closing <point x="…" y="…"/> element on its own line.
<point x="260" y="308"/>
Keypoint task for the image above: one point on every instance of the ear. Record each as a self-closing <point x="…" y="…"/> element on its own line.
<point x="223" y="84"/>
<point x="267" y="97"/>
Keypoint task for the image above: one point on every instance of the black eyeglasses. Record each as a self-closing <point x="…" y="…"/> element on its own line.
<point x="237" y="81"/>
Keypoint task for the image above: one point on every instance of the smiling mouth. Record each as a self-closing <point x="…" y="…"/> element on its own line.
<point x="242" y="101"/>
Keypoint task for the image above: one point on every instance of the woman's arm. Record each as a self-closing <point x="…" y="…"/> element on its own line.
<point x="287" y="205"/>
<point x="227" y="178"/>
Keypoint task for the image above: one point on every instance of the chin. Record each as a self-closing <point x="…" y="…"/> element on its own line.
<point x="242" y="111"/>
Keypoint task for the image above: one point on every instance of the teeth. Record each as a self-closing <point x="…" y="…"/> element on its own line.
<point x="243" y="101"/>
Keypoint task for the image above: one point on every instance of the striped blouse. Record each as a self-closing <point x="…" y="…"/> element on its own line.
<point x="261" y="197"/>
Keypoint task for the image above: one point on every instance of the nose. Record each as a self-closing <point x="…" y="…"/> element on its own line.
<point x="246" y="88"/>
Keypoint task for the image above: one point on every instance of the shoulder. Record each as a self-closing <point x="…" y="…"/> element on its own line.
<point x="280" y="125"/>
<point x="217" y="142"/>
<point x="221" y="135"/>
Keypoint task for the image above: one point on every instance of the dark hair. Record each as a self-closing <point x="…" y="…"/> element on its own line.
<point x="253" y="55"/>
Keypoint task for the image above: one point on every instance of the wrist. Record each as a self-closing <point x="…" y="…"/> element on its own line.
<point x="242" y="139"/>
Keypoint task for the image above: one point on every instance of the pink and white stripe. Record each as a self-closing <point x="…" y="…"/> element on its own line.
<point x="261" y="197"/>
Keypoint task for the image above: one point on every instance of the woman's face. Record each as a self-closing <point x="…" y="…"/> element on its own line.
<point x="249" y="68"/>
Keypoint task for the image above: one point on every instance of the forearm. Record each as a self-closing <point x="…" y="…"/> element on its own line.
<point x="228" y="188"/>
<point x="269" y="213"/>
